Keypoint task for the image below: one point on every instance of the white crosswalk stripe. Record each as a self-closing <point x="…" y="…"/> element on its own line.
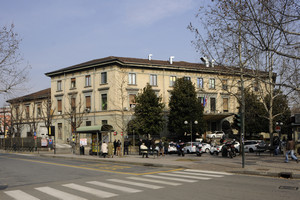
<point x="115" y="187"/>
<point x="209" y="172"/>
<point x="20" y="195"/>
<point x="171" y="178"/>
<point x="95" y="192"/>
<point x="185" y="176"/>
<point x="198" y="174"/>
<point x="154" y="181"/>
<point x="59" y="194"/>
<point x="158" y="181"/>
<point x="136" y="183"/>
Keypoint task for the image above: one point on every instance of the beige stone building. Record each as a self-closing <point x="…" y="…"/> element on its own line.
<point x="104" y="90"/>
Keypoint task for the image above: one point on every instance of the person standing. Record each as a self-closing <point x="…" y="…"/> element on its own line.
<point x="126" y="145"/>
<point x="104" y="149"/>
<point x="166" y="146"/>
<point x="115" y="147"/>
<point x="110" y="150"/>
<point x="290" y="148"/>
<point x="144" y="150"/>
<point x="118" y="148"/>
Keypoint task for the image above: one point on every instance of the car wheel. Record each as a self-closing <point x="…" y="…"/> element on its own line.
<point x="188" y="151"/>
<point x="216" y="153"/>
<point x="251" y="150"/>
<point x="207" y="150"/>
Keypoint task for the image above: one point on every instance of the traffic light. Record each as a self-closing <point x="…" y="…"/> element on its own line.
<point x="237" y="120"/>
<point x="52" y="131"/>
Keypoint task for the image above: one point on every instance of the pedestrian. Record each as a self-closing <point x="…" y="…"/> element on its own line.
<point x="139" y="145"/>
<point x="115" y="147"/>
<point x="144" y="150"/>
<point x="166" y="147"/>
<point x="161" y="148"/>
<point x="110" y="150"/>
<point x="153" y="146"/>
<point x="104" y="149"/>
<point x="118" y="148"/>
<point x="290" y="147"/>
<point x="126" y="145"/>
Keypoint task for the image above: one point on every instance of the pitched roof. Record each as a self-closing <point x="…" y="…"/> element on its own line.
<point x="42" y="94"/>
<point x="138" y="62"/>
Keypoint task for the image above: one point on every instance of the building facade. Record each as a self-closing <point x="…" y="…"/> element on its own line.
<point x="102" y="92"/>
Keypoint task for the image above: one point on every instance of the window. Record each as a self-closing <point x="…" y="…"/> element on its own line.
<point x="213" y="104"/>
<point x="132" y="101"/>
<point x="73" y="104"/>
<point x="59" y="125"/>
<point x="38" y="110"/>
<point x="88" y="102"/>
<point x="73" y="83"/>
<point x="153" y="79"/>
<point x="104" y="122"/>
<point x="88" y="123"/>
<point x="59" y="106"/>
<point x="103" y="101"/>
<point x="212" y="82"/>
<point x="131" y="78"/>
<point x="103" y="77"/>
<point x="255" y="86"/>
<point x="187" y="78"/>
<point x="59" y="85"/>
<point x="203" y="100"/>
<point x="225" y="104"/>
<point x="27" y="111"/>
<point x="87" y="80"/>
<point x="224" y="84"/>
<point x="199" y="82"/>
<point x="172" y="80"/>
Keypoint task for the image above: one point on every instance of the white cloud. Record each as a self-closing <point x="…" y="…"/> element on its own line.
<point x="149" y="12"/>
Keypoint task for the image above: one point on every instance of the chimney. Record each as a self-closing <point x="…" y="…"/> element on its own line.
<point x="150" y="56"/>
<point x="171" y="59"/>
<point x="204" y="59"/>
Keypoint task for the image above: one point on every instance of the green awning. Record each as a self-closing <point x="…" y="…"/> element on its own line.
<point x="89" y="129"/>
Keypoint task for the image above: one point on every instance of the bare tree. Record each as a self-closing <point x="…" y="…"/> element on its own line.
<point x="17" y="120"/>
<point x="12" y="74"/>
<point x="46" y="112"/>
<point x="253" y="36"/>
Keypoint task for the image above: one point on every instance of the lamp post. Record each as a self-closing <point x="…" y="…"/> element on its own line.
<point x="191" y="129"/>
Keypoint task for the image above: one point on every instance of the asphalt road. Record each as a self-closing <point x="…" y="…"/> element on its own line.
<point x="31" y="177"/>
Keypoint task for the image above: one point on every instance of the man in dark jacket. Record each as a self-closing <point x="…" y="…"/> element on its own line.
<point x="290" y="148"/>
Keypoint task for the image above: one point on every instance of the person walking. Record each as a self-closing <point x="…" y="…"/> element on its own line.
<point x="104" y="149"/>
<point x="290" y="148"/>
<point x="161" y="148"/>
<point x="115" y="147"/>
<point x="166" y="146"/>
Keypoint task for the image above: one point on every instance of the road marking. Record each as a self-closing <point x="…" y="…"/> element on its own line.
<point x="136" y="184"/>
<point x="171" y="178"/>
<point x="115" y="187"/>
<point x="20" y="195"/>
<point x="154" y="181"/>
<point x="59" y="194"/>
<point x="95" y="192"/>
<point x="185" y="176"/>
<point x="199" y="174"/>
<point x="209" y="172"/>
<point x="93" y="169"/>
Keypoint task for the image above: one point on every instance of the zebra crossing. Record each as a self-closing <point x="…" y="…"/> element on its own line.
<point x="116" y="187"/>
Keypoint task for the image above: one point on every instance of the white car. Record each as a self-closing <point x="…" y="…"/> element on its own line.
<point x="190" y="148"/>
<point x="205" y="147"/>
<point x="251" y="145"/>
<point x="215" y="150"/>
<point x="216" y="134"/>
<point x="172" y="147"/>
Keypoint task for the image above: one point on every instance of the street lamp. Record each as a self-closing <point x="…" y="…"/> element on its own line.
<point x="191" y="129"/>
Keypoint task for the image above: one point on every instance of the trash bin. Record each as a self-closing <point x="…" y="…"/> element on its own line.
<point x="82" y="150"/>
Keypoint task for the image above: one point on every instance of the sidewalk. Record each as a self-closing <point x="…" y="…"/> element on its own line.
<point x="262" y="165"/>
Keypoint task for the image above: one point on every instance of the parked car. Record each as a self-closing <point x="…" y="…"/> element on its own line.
<point x="215" y="150"/>
<point x="172" y="147"/>
<point x="216" y="134"/>
<point x="205" y="147"/>
<point x="190" y="147"/>
<point x="251" y="145"/>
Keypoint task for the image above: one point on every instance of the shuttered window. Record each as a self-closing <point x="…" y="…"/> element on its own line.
<point x="88" y="102"/>
<point x="59" y="105"/>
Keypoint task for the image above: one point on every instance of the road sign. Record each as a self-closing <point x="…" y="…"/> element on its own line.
<point x="50" y="141"/>
<point x="277" y="128"/>
<point x="35" y="137"/>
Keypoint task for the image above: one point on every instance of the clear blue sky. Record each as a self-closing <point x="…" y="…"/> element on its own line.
<point x="61" y="33"/>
